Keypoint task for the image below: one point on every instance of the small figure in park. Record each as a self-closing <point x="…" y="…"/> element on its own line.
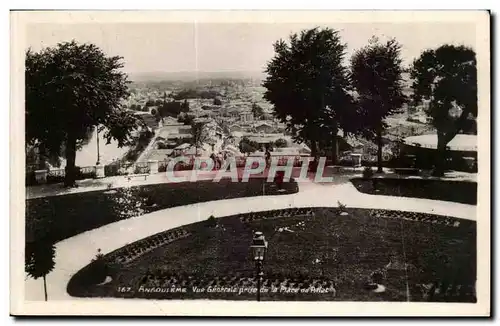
<point x="268" y="158"/>
<point x="212" y="157"/>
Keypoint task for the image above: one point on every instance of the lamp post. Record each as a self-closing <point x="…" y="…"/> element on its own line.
<point x="259" y="247"/>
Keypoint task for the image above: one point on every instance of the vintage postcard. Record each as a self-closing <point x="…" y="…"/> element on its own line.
<point x="250" y="163"/>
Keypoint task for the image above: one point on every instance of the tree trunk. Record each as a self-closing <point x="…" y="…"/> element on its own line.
<point x="45" y="287"/>
<point x="379" y="150"/>
<point x="334" y="146"/>
<point x="70" y="175"/>
<point x="314" y="149"/>
<point x="314" y="153"/>
<point x="440" y="156"/>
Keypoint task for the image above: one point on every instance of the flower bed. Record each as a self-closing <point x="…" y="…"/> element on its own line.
<point x="464" y="192"/>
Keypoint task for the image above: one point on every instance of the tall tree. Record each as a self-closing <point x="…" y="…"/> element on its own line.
<point x="377" y="78"/>
<point x="199" y="134"/>
<point x="257" y="111"/>
<point x="71" y="89"/>
<point x="309" y="86"/>
<point x="248" y="146"/>
<point x="39" y="260"/>
<point x="446" y="78"/>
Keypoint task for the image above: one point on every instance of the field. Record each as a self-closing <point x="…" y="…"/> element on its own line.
<point x="313" y="254"/>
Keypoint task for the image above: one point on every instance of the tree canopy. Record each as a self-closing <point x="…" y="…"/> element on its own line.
<point x="308" y="84"/>
<point x="257" y="110"/>
<point x="71" y="89"/>
<point x="199" y="134"/>
<point x="40" y="259"/>
<point x="377" y="78"/>
<point x="248" y="146"/>
<point x="446" y="79"/>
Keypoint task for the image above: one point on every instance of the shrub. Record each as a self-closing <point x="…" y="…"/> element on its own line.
<point x="367" y="172"/>
<point x="161" y="145"/>
<point x="342" y="207"/>
<point x="281" y="143"/>
<point x="211" y="222"/>
<point x="141" y="169"/>
<point x="99" y="268"/>
<point x="113" y="169"/>
<point x="162" y="167"/>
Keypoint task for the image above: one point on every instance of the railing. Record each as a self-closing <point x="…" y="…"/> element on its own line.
<point x="56" y="173"/>
<point x="87" y="169"/>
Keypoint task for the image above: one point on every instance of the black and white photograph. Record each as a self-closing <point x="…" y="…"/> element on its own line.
<point x="218" y="163"/>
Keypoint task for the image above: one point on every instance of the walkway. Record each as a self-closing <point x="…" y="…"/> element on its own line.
<point x="74" y="253"/>
<point x="339" y="177"/>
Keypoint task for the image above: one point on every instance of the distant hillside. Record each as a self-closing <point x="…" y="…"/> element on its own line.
<point x="193" y="75"/>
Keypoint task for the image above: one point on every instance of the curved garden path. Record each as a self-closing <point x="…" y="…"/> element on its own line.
<point x="75" y="253"/>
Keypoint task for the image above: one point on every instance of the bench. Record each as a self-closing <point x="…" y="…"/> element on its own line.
<point x="139" y="175"/>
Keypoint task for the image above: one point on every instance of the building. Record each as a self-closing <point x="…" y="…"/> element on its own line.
<point x="246" y="117"/>
<point x="264" y="127"/>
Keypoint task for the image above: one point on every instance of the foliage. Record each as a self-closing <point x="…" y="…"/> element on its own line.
<point x="367" y="172"/>
<point x="40" y="259"/>
<point x="217" y="101"/>
<point x="161" y="145"/>
<point x="150" y="103"/>
<point x="446" y="79"/>
<point x="141" y="143"/>
<point x="377" y="78"/>
<point x="196" y="93"/>
<point x="248" y="146"/>
<point x="99" y="268"/>
<point x="199" y="133"/>
<point x="141" y="169"/>
<point x="309" y="86"/>
<point x="71" y="89"/>
<point x="281" y="143"/>
<point x="135" y="107"/>
<point x="463" y="192"/>
<point x="173" y="108"/>
<point x="257" y="110"/>
<point x="341" y="207"/>
<point x="185" y="118"/>
<point x="211" y="222"/>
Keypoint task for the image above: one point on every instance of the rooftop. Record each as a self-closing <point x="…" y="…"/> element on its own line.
<point x="461" y="142"/>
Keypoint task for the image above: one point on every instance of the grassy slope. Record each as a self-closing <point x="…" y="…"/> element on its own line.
<point x="64" y="216"/>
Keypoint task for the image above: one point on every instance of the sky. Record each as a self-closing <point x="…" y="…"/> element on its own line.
<point x="215" y="47"/>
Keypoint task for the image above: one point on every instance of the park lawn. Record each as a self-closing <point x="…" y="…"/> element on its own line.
<point x="61" y="217"/>
<point x="413" y="257"/>
<point x="464" y="192"/>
